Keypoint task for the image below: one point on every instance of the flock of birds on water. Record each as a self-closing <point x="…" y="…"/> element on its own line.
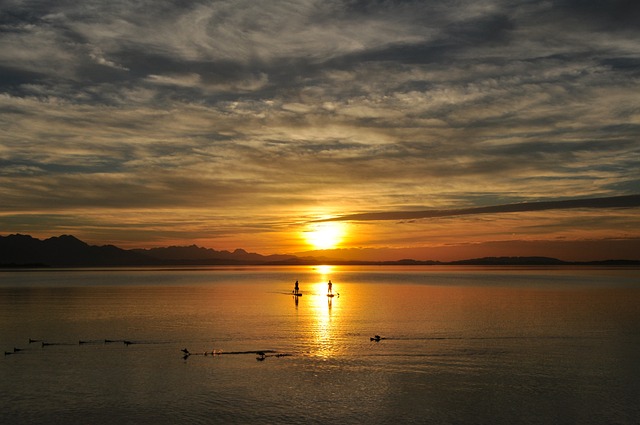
<point x="80" y="342"/>
<point x="261" y="354"/>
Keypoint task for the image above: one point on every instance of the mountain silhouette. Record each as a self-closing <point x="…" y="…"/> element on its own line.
<point x="63" y="251"/>
<point x="68" y="251"/>
<point x="196" y="254"/>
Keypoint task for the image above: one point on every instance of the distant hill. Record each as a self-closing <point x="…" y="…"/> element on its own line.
<point x="67" y="251"/>
<point x="64" y="251"/>
<point x="196" y="254"/>
<point x="538" y="261"/>
<point x="505" y="261"/>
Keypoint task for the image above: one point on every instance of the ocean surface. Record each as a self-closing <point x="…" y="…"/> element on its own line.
<point x="466" y="345"/>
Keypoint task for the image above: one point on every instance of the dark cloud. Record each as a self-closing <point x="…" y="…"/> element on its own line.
<point x="485" y="30"/>
<point x="629" y="201"/>
<point x="624" y="65"/>
<point x="607" y="15"/>
<point x="13" y="78"/>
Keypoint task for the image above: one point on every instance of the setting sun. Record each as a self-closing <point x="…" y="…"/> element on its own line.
<point x="325" y="235"/>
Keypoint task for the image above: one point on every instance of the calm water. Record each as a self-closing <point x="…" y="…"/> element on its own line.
<point x="465" y="345"/>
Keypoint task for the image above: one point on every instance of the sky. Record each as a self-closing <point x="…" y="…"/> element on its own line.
<point x="289" y="126"/>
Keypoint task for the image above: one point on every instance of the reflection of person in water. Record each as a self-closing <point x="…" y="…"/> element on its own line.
<point x="296" y="288"/>
<point x="329" y="285"/>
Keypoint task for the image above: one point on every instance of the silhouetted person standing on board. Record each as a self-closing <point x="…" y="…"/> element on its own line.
<point x="296" y="288"/>
<point x="329" y="285"/>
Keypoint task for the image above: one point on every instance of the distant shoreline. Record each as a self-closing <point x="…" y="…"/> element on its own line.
<point x="20" y="252"/>
<point x="488" y="262"/>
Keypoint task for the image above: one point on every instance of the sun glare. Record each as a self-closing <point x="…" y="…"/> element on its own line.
<point x="324" y="271"/>
<point x="326" y="235"/>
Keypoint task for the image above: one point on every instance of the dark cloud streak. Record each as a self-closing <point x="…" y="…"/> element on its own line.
<point x="629" y="201"/>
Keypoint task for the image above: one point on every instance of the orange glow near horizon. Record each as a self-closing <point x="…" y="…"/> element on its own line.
<point x="327" y="235"/>
<point x="324" y="271"/>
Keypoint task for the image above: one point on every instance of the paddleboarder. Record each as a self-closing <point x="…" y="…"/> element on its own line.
<point x="329" y="285"/>
<point x="296" y="288"/>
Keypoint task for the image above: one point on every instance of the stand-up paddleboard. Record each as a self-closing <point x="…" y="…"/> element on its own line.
<point x="330" y="295"/>
<point x="299" y="294"/>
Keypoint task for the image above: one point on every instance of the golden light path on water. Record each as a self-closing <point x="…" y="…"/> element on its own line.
<point x="324" y="333"/>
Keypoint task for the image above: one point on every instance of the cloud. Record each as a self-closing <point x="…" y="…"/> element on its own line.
<point x="99" y="58"/>
<point x="309" y="108"/>
<point x="629" y="201"/>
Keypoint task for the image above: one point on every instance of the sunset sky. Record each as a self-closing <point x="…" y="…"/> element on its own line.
<point x="401" y="128"/>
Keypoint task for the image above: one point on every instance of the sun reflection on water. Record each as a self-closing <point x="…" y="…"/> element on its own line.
<point x="324" y="271"/>
<point x="324" y="330"/>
